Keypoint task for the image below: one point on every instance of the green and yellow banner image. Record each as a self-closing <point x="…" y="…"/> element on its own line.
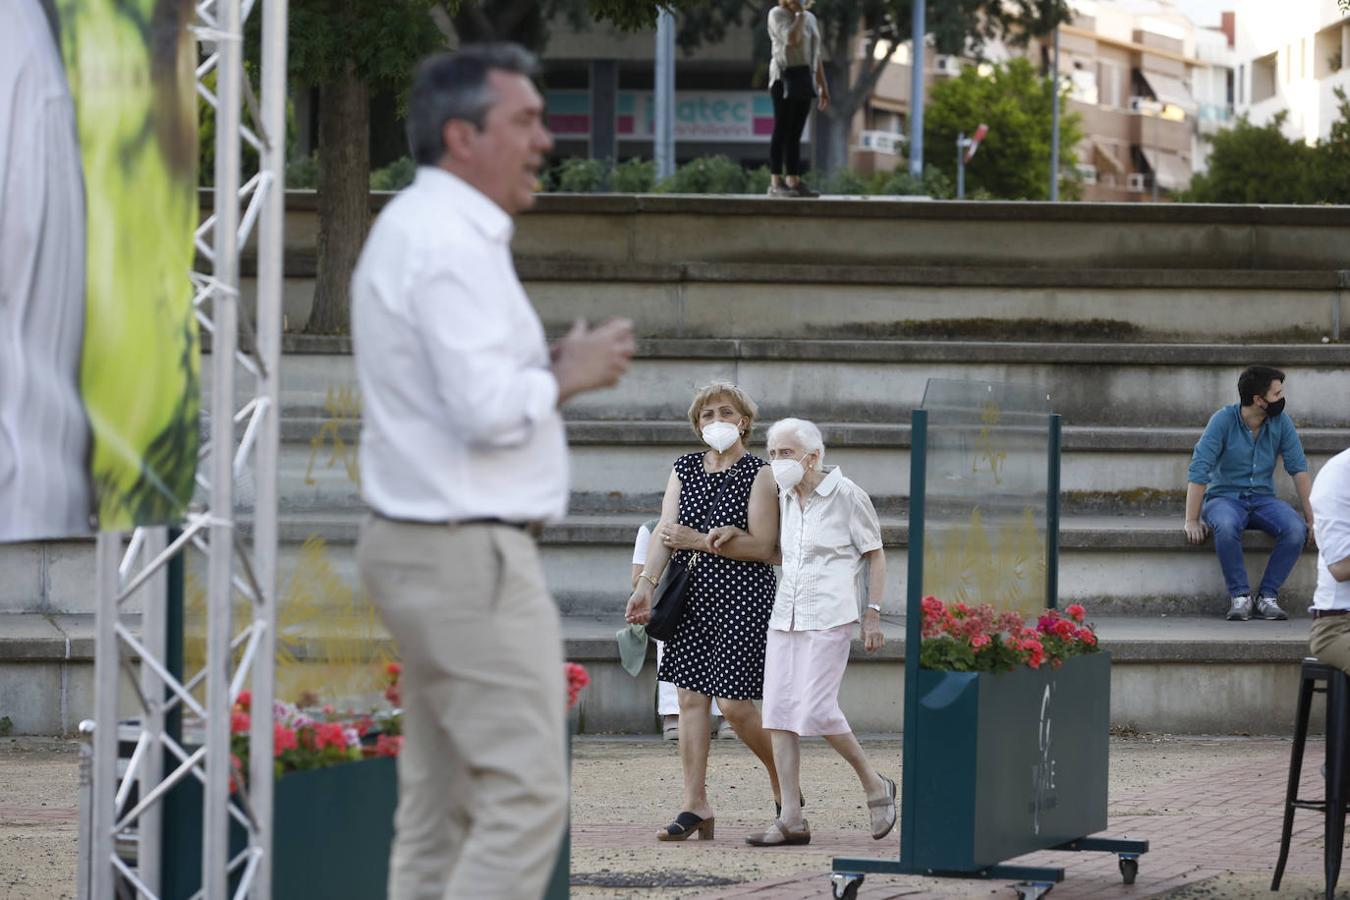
<point x="100" y="383"/>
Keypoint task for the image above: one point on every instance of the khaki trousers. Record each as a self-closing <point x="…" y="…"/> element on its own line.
<point x="483" y="775"/>
<point x="1329" y="641"/>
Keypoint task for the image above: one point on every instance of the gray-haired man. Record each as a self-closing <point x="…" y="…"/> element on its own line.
<point x="463" y="455"/>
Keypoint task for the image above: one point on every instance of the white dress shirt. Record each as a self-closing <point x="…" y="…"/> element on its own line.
<point x="823" y="547"/>
<point x="1330" y="501"/>
<point x="460" y="415"/>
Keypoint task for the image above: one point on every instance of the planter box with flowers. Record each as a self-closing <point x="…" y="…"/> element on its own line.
<point x="1012" y="738"/>
<point x="334" y="802"/>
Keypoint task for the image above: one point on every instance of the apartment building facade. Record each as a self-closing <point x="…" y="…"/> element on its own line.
<point x="1147" y="82"/>
<point x="1293" y="56"/>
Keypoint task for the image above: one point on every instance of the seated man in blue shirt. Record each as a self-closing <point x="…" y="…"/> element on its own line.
<point x="1232" y="471"/>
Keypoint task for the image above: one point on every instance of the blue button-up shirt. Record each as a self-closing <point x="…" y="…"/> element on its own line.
<point x="1234" y="463"/>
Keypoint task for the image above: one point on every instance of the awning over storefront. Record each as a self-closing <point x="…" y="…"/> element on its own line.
<point x="1170" y="90"/>
<point x="1173" y="172"/>
<point x="1104" y="159"/>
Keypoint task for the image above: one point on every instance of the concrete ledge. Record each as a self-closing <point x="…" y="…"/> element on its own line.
<point x="1080" y="532"/>
<point x="304" y="264"/>
<point x="839" y="435"/>
<point x="1036" y="352"/>
<point x="1173" y="675"/>
<point x="891" y="208"/>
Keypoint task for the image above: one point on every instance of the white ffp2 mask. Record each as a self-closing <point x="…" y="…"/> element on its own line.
<point x="721" y="436"/>
<point x="788" y="473"/>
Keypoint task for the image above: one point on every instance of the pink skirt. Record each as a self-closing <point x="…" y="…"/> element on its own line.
<point x="802" y="674"/>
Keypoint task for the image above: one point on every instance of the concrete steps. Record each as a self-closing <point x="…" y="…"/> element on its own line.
<point x="1114" y="565"/>
<point x="1174" y="674"/>
<point x="879" y="382"/>
<point x="1135" y="318"/>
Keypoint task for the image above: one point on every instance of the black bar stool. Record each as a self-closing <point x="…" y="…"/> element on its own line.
<point x="1336" y="687"/>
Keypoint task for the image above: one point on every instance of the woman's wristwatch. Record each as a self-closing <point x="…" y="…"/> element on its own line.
<point x="874" y="606"/>
<point x="648" y="577"/>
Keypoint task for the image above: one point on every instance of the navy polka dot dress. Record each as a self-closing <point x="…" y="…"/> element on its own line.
<point x="718" y="649"/>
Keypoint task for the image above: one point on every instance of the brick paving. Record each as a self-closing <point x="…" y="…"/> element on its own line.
<point x="1221" y="822"/>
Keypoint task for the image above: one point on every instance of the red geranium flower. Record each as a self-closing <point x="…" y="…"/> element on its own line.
<point x="1076" y="612"/>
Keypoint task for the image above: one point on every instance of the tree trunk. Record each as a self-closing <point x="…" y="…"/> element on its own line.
<point x="344" y="198"/>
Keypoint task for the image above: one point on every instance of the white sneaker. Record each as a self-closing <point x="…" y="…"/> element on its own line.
<point x="1269" y="609"/>
<point x="1241" y="609"/>
<point x="670" y="727"/>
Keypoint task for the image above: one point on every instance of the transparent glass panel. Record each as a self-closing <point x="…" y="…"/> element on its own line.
<point x="986" y="489"/>
<point x="331" y="647"/>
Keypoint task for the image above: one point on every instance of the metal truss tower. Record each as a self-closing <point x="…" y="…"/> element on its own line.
<point x="121" y="837"/>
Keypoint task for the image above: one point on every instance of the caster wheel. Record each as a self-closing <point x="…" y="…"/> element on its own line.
<point x="1032" y="890"/>
<point x="846" y="885"/>
<point x="1129" y="868"/>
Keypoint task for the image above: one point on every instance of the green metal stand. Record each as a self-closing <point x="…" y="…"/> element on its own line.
<point x="848" y="873"/>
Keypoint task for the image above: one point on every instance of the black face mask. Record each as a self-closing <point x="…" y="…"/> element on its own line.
<point x="1274" y="409"/>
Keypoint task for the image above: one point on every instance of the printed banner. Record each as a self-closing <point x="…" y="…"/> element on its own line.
<point x="99" y="377"/>
<point x="705" y="116"/>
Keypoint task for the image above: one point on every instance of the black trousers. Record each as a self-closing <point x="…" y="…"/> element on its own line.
<point x="789" y="120"/>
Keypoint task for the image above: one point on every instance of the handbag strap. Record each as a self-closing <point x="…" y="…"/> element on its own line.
<point x="694" y="555"/>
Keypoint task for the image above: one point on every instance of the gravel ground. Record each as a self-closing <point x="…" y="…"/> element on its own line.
<point x="39" y="831"/>
<point x="624" y="790"/>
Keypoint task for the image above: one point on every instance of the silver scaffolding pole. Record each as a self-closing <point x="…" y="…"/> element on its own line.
<point x="123" y="840"/>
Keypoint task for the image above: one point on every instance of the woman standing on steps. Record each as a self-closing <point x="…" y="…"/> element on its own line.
<point x="796" y="79"/>
<point x="718" y="648"/>
<point x="830" y="537"/>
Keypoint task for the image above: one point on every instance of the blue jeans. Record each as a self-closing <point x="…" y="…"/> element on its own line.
<point x="1228" y="517"/>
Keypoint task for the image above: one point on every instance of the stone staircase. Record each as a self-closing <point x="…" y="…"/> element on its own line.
<point x="1136" y="320"/>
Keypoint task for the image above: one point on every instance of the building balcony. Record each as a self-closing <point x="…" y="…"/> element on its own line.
<point x="1159" y="133"/>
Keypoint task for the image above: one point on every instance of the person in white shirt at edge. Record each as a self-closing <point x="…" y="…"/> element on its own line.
<point x="463" y="455"/>
<point x="1329" y="640"/>
<point x="828" y="537"/>
<point x="667" y="695"/>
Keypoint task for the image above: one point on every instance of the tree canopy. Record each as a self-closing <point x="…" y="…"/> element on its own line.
<point x="1013" y="162"/>
<point x="1258" y="164"/>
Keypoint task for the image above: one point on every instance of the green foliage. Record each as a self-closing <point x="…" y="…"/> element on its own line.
<point x="1014" y="160"/>
<point x="303" y="172"/>
<point x="933" y="184"/>
<point x="757" y="180"/>
<point x="706" y="175"/>
<point x="6" y="726"/>
<point x="381" y="39"/>
<point x="633" y="176"/>
<point x="395" y="176"/>
<point x="581" y="176"/>
<point x="1259" y="164"/>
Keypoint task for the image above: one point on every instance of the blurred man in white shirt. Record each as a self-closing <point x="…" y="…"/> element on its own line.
<point x="463" y="457"/>
<point x="1330" y="499"/>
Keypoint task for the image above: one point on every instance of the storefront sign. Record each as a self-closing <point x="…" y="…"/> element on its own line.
<point x="708" y="116"/>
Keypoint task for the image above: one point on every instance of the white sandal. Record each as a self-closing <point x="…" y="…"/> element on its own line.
<point x="887" y="804"/>
<point x="780" y="835"/>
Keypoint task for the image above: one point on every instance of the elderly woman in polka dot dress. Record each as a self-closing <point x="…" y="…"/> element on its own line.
<point x="718" y="648"/>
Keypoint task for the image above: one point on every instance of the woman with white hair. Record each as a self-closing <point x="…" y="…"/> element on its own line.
<point x="828" y="536"/>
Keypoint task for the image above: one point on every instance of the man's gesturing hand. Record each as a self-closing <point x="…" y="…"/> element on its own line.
<point x="586" y="359"/>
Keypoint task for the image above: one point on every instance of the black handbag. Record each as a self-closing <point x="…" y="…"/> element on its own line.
<point x="672" y="594"/>
<point x="798" y="83"/>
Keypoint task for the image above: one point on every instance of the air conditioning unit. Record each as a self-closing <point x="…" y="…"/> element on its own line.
<point x="1136" y="181"/>
<point x="1088" y="174"/>
<point x="881" y="141"/>
<point x="947" y="65"/>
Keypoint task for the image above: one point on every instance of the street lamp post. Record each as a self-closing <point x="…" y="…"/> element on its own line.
<point x="916" y="64"/>
<point x="1054" y="121"/>
<point x="965" y="149"/>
